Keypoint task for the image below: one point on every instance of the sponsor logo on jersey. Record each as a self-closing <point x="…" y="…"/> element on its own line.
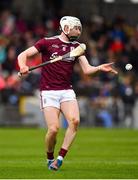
<point x="64" y="45"/>
<point x="54" y="55"/>
<point x="55" y="46"/>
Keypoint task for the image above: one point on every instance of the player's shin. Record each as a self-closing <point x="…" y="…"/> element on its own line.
<point x="50" y="141"/>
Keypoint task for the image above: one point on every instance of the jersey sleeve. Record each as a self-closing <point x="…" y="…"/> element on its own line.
<point x="41" y="45"/>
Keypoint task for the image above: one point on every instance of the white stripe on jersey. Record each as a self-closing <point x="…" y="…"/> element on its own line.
<point x="53" y="37"/>
<point x="57" y="36"/>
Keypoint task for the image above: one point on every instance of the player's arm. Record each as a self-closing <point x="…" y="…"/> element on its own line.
<point x="89" y="69"/>
<point x="22" y="58"/>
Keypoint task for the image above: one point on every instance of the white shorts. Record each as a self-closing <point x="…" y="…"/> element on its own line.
<point x="55" y="97"/>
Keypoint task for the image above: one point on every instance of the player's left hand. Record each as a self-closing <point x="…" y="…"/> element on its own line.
<point x="107" y="67"/>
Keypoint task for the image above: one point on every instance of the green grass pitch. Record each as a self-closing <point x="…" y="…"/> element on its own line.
<point x="95" y="154"/>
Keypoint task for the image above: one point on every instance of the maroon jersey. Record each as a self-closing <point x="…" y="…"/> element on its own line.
<point x="57" y="75"/>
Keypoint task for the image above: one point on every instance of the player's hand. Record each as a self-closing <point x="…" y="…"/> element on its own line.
<point x="107" y="67"/>
<point x="24" y="70"/>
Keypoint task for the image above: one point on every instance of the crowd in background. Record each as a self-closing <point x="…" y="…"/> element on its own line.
<point x="108" y="98"/>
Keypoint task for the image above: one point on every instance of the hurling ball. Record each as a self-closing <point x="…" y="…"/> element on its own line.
<point x="128" y="67"/>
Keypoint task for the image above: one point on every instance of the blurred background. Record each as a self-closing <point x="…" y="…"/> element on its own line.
<point x="110" y="31"/>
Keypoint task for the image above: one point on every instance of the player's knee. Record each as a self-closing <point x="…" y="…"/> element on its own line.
<point x="75" y="123"/>
<point x="53" y="130"/>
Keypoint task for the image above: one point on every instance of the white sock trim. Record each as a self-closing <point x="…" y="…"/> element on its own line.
<point x="60" y="158"/>
<point x="50" y="160"/>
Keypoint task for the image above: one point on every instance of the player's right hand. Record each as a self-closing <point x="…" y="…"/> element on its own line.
<point x="24" y="70"/>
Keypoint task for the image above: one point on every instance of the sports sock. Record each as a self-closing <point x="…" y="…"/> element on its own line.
<point x="50" y="155"/>
<point x="62" y="153"/>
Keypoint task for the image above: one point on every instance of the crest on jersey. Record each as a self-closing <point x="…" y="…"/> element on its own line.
<point x="64" y="47"/>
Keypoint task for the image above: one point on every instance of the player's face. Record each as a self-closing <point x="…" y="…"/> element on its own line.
<point x="75" y="31"/>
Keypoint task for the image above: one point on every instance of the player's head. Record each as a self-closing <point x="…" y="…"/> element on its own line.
<point x="71" y="26"/>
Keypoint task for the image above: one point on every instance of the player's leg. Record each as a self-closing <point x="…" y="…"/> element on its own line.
<point x="51" y="115"/>
<point x="70" y="110"/>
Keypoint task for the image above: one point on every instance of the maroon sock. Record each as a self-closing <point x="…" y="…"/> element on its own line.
<point x="50" y="155"/>
<point x="63" y="152"/>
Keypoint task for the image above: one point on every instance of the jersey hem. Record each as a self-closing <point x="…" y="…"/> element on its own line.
<point x="54" y="89"/>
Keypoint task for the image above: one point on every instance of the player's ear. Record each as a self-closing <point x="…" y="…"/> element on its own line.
<point x="66" y="29"/>
<point x="60" y="28"/>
